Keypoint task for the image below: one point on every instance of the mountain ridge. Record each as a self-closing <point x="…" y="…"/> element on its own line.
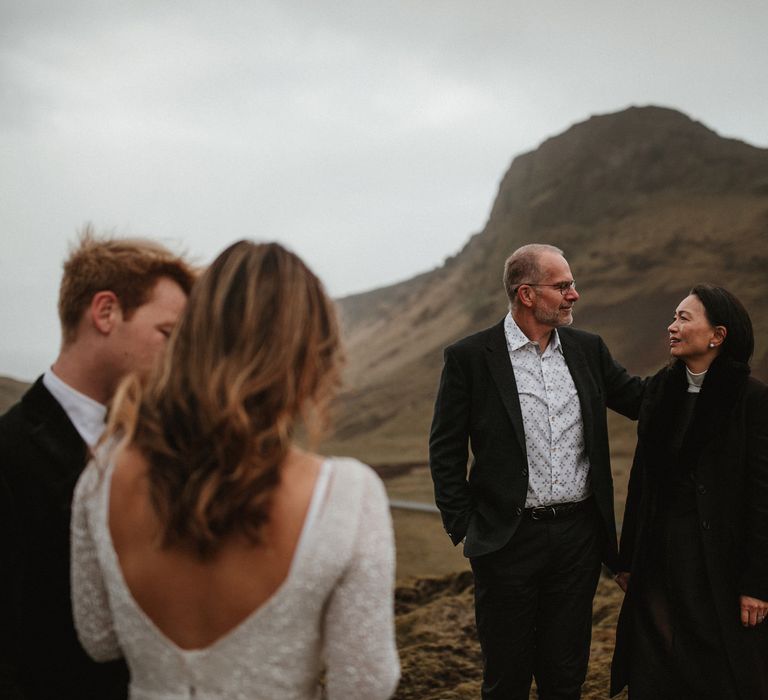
<point x="644" y="202"/>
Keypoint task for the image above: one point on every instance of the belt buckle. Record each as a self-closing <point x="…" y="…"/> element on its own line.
<point x="542" y="513"/>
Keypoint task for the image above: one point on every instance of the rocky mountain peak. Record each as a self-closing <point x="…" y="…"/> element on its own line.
<point x="645" y="203"/>
<point x="621" y="159"/>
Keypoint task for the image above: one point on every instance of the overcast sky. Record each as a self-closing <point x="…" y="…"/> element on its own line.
<point x="370" y="137"/>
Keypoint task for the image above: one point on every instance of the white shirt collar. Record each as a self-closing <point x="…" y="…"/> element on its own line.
<point x="516" y="339"/>
<point x="86" y="414"/>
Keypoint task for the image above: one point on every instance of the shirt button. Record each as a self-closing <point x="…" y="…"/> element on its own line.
<point x="518" y="511"/>
<point x="705" y="525"/>
<point x="701" y="489"/>
<point x="525" y="472"/>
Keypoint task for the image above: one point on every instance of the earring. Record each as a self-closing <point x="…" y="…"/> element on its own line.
<point x="711" y="345"/>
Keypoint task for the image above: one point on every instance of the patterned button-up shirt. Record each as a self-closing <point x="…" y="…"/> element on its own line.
<point x="558" y="466"/>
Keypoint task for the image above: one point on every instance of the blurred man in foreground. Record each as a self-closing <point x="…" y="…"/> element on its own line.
<point x="118" y="302"/>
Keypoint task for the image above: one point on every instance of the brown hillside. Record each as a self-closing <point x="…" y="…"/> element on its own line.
<point x="10" y="392"/>
<point x="644" y="202"/>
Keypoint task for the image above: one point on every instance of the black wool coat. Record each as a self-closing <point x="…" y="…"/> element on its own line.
<point x="41" y="458"/>
<point x="726" y="450"/>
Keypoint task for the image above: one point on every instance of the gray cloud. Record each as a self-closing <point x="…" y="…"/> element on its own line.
<point x="370" y="137"/>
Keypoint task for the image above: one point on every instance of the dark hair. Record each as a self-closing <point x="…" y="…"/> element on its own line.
<point x="724" y="309"/>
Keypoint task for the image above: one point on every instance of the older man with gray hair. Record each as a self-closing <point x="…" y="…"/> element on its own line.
<point x="535" y="511"/>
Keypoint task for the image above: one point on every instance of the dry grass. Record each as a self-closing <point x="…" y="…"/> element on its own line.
<point x="439" y="652"/>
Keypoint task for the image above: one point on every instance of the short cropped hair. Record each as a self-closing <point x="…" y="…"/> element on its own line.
<point x="523" y="266"/>
<point x="128" y="267"/>
<point x="724" y="309"/>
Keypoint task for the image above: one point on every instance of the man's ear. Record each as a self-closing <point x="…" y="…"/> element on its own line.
<point x="105" y="311"/>
<point x="525" y="295"/>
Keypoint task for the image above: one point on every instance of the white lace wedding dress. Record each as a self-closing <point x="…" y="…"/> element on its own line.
<point x="334" y="611"/>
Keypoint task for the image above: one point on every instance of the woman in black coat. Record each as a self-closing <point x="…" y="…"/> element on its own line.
<point x="694" y="545"/>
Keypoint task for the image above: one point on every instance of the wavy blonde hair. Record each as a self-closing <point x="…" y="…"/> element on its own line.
<point x="256" y="350"/>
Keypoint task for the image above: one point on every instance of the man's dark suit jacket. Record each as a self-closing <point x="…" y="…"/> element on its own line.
<point x="477" y="403"/>
<point x="41" y="457"/>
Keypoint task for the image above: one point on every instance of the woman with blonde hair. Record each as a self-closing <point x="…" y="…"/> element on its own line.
<point x="217" y="557"/>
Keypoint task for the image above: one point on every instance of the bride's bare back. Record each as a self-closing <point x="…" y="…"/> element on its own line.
<point x="196" y="602"/>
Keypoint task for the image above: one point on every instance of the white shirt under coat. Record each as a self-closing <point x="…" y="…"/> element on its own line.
<point x="87" y="415"/>
<point x="558" y="466"/>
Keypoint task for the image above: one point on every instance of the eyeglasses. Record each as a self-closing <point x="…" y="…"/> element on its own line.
<point x="562" y="287"/>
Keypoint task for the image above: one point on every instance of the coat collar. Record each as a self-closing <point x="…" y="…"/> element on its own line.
<point x="50" y="428"/>
<point x="723" y="385"/>
<point x="577" y="364"/>
<point x="500" y="367"/>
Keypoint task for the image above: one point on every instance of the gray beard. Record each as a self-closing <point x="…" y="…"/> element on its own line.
<point x="553" y="319"/>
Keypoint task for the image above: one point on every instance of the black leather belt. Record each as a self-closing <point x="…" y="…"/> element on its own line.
<point x="558" y="510"/>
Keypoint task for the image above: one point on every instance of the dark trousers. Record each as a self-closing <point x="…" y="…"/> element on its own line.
<point x="533" y="607"/>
